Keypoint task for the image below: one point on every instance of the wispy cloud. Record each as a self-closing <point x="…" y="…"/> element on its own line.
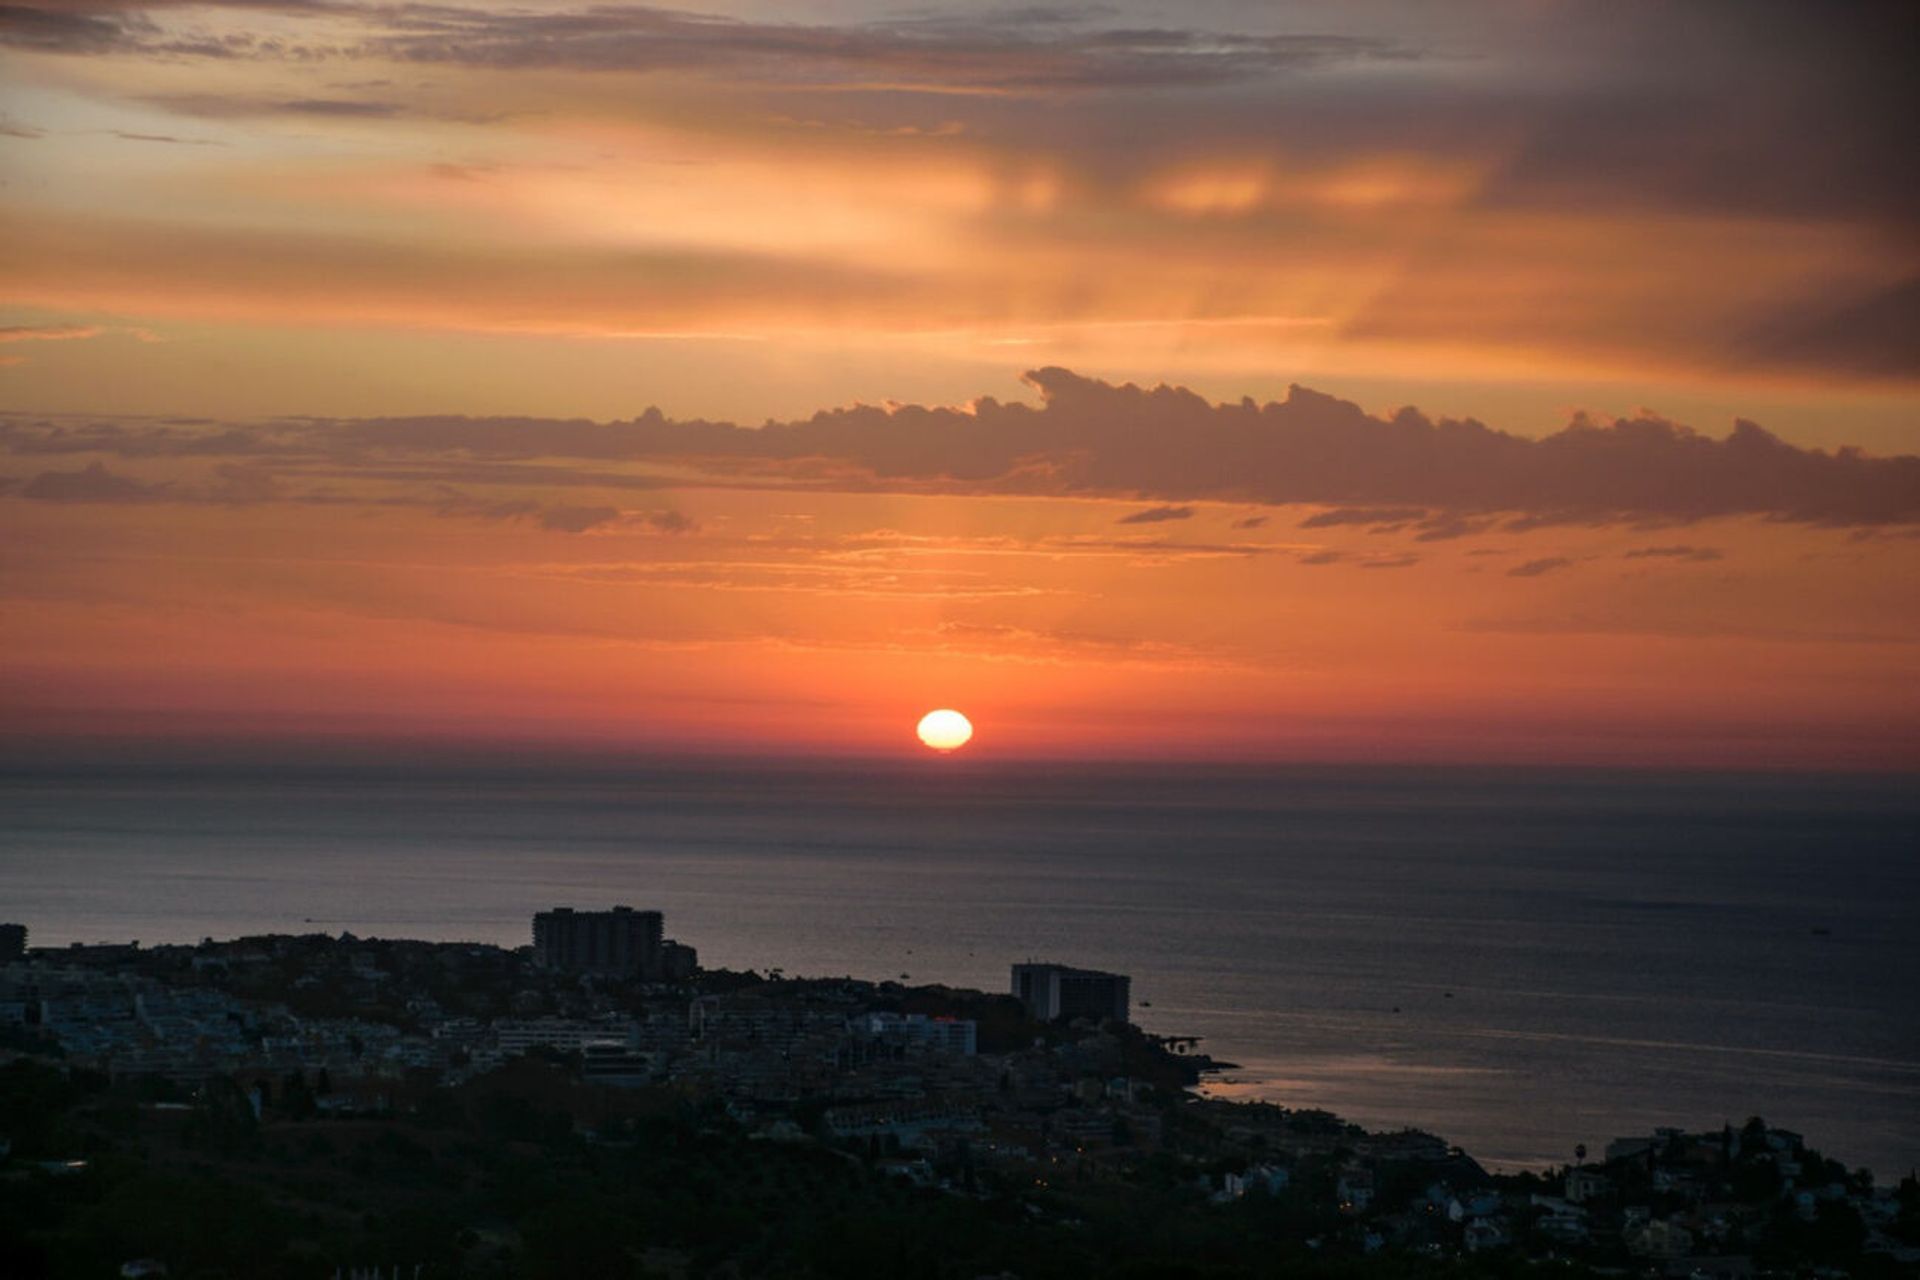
<point x="10" y="334"/>
<point x="1676" y="552"/>
<point x="1008" y="52"/>
<point x="1534" y="568"/>
<point x="92" y="483"/>
<point x="1157" y="515"/>
<point x="49" y="333"/>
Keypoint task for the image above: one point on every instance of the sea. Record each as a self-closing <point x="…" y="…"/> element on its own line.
<point x="1520" y="960"/>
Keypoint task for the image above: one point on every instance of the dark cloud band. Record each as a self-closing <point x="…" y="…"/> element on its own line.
<point x="1088" y="437"/>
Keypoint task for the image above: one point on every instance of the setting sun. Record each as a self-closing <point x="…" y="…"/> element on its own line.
<point x="945" y="730"/>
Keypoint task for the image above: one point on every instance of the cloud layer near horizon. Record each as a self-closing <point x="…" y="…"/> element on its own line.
<point x="1091" y="572"/>
<point x="1086" y="437"/>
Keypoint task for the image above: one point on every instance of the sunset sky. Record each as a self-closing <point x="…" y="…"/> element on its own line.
<point x="1327" y="381"/>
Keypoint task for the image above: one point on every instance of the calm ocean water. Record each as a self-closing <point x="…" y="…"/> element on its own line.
<point x="1519" y="960"/>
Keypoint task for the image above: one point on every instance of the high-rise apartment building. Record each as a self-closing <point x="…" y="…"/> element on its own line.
<point x="621" y="941"/>
<point x="1059" y="992"/>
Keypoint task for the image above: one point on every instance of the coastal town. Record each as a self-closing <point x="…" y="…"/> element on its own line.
<point x="1044" y="1107"/>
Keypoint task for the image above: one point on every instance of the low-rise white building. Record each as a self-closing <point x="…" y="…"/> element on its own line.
<point x="516" y="1036"/>
<point x="943" y="1035"/>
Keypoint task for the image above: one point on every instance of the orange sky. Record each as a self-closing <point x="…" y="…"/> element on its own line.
<point x="235" y="234"/>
